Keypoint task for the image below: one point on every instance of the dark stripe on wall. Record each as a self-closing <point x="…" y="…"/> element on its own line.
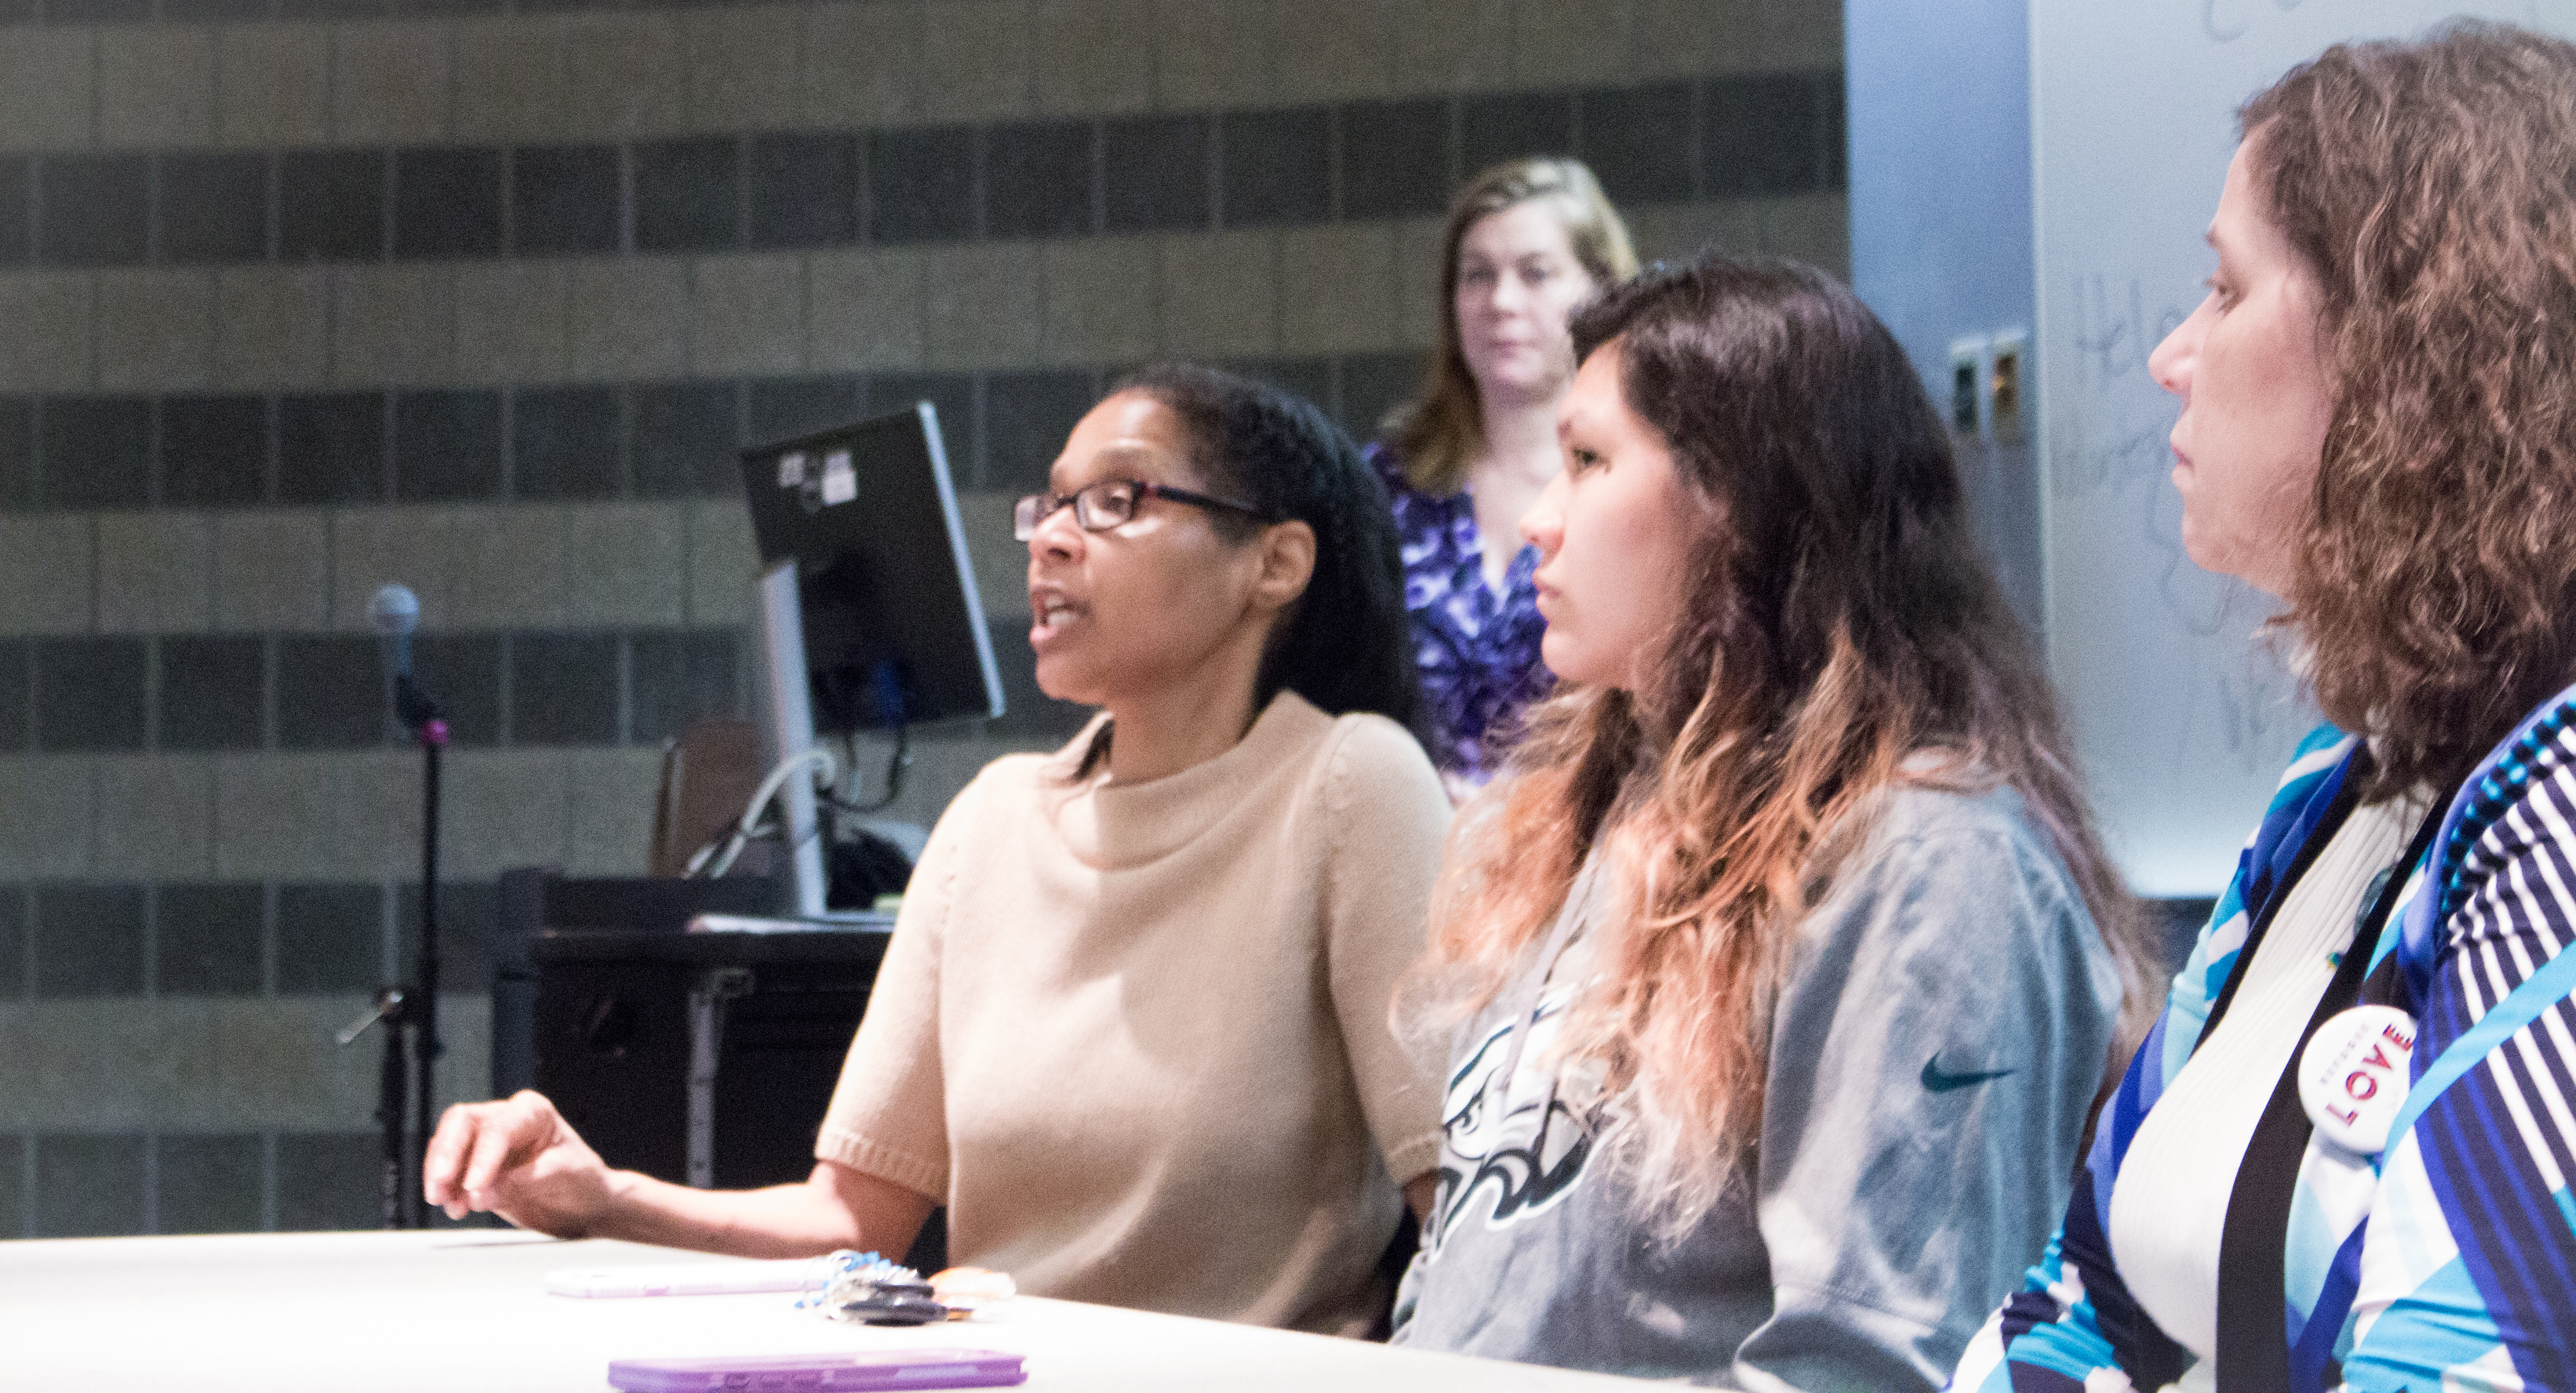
<point x="561" y="443"/>
<point x="178" y="11"/>
<point x="1749" y="135"/>
<point x="94" y="1185"/>
<point x="76" y="939"/>
<point x="216" y="693"/>
<point x="210" y="693"/>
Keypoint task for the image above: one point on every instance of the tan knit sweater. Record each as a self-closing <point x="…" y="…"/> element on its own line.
<point x="1135" y="1037"/>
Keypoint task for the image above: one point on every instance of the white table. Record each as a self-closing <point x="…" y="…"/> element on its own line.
<point x="466" y="1311"/>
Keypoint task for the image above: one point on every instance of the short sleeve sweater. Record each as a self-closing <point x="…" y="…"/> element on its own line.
<point x="1136" y="1037"/>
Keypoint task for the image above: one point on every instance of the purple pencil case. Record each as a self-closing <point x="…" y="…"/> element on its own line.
<point x="820" y="1373"/>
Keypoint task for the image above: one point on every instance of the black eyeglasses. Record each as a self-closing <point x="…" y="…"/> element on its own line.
<point x="1104" y="505"/>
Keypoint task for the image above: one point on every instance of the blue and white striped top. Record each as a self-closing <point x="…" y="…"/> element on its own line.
<point x="2455" y="1267"/>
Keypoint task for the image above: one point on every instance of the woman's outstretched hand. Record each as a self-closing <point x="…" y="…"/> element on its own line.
<point x="519" y="1159"/>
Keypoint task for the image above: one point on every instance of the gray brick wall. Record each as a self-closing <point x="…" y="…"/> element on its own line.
<point x="307" y="295"/>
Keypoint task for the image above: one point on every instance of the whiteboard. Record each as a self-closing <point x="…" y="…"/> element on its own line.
<point x="2183" y="717"/>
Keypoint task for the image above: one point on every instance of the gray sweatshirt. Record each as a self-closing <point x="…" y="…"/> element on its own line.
<point x="1944" y="1023"/>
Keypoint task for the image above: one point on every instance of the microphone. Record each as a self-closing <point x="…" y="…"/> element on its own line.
<point x="393" y="614"/>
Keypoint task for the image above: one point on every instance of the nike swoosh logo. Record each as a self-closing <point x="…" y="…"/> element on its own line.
<point x="1935" y="1081"/>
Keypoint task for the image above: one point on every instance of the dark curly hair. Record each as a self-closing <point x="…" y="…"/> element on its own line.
<point x="2431" y="188"/>
<point x="1345" y="645"/>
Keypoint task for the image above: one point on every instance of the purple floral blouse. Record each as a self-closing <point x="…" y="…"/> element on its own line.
<point x="1477" y="649"/>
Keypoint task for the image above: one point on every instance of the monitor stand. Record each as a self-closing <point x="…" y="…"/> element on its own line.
<point x="790" y="727"/>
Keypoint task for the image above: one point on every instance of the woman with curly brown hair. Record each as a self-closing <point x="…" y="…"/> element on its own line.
<point x="2342" y="1157"/>
<point x="1784" y="965"/>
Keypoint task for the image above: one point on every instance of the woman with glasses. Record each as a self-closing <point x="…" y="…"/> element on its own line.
<point x="1132" y="1027"/>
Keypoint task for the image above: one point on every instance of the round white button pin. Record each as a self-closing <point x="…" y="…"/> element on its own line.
<point x="2353" y="1075"/>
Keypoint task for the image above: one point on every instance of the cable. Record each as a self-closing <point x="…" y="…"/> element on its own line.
<point x="749" y="827"/>
<point x="712" y="860"/>
<point x="886" y="679"/>
<point x="896" y="763"/>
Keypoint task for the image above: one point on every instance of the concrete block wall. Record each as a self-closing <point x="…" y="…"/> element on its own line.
<point x="304" y="296"/>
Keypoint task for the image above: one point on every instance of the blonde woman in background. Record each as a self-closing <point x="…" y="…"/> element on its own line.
<point x="1527" y="242"/>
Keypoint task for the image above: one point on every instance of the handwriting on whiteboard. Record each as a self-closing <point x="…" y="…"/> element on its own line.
<point x="2232" y="700"/>
<point x="2226" y="21"/>
<point x="2112" y="334"/>
<point x="2260" y="709"/>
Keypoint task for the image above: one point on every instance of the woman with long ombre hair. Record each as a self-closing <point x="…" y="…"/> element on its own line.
<point x="1784" y="963"/>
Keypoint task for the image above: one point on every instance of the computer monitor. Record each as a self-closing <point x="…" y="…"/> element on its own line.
<point x="892" y="629"/>
<point x="869" y="616"/>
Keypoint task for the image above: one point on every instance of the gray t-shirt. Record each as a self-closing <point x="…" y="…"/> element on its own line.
<point x="1942" y="1028"/>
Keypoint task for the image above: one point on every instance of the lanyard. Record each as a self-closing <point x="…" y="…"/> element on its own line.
<point x="2253" y="1351"/>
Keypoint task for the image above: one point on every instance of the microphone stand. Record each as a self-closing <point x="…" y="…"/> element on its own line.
<point x="410" y="1013"/>
<point x="425" y="720"/>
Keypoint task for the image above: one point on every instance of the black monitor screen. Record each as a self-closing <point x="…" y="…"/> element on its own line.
<point x="893" y="632"/>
